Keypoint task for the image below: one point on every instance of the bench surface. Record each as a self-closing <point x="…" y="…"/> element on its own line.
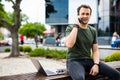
<point x="35" y="76"/>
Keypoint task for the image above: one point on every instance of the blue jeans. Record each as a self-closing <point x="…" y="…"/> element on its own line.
<point x="57" y="43"/>
<point x="77" y="69"/>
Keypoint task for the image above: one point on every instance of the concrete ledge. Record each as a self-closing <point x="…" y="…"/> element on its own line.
<point x="109" y="48"/>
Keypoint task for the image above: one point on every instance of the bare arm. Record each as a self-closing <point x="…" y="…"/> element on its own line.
<point x="96" y="57"/>
<point x="71" y="38"/>
<point x="95" y="69"/>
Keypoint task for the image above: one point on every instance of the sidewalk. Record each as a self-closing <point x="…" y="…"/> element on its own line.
<point x="20" y="65"/>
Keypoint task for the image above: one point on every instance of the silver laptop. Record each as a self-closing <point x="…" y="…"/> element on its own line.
<point x="49" y="68"/>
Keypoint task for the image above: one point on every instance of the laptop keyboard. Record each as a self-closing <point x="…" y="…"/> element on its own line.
<point x="50" y="72"/>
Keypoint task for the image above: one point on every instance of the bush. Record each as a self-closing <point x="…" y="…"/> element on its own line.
<point x="7" y="50"/>
<point x="37" y="52"/>
<point x="48" y="53"/>
<point x="21" y="48"/>
<point x="113" y="57"/>
<point x="27" y="48"/>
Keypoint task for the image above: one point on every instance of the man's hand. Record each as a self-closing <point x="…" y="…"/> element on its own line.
<point x="94" y="70"/>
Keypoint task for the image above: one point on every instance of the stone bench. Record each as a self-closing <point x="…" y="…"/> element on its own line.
<point x="38" y="76"/>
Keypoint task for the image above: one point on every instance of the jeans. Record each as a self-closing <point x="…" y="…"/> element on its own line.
<point x="77" y="69"/>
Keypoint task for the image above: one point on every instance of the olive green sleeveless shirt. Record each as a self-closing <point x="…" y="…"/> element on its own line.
<point x="84" y="41"/>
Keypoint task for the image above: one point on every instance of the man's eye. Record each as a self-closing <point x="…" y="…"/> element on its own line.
<point x="87" y="14"/>
<point x="83" y="13"/>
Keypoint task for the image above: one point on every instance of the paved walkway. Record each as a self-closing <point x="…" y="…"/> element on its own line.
<point x="19" y="65"/>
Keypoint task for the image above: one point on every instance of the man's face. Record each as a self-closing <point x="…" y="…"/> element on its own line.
<point x="84" y="14"/>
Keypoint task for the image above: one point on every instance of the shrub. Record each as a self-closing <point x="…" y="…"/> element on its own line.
<point x="37" y="52"/>
<point x="21" y="48"/>
<point x="7" y="50"/>
<point x="113" y="57"/>
<point x="27" y="48"/>
<point x="49" y="53"/>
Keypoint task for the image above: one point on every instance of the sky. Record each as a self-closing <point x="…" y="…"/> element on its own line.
<point x="32" y="8"/>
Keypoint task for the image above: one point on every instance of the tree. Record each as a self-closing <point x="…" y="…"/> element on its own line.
<point x="13" y="28"/>
<point x="31" y="29"/>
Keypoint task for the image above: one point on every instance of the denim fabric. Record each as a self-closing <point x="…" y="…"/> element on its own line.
<point x="77" y="69"/>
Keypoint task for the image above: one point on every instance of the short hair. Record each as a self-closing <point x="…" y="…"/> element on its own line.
<point x="84" y="6"/>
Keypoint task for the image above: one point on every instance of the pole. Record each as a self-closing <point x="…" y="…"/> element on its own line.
<point x="36" y="36"/>
<point x="115" y="14"/>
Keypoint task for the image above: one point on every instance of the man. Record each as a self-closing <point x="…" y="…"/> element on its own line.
<point x="80" y="40"/>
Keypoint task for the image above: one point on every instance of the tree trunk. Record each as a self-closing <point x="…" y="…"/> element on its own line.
<point x="15" y="48"/>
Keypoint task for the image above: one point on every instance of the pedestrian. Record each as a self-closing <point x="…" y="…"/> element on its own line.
<point x="81" y="41"/>
<point x="22" y="39"/>
<point x="114" y="38"/>
<point x="116" y="35"/>
<point x="58" y="38"/>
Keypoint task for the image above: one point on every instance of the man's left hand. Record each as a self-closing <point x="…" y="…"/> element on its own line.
<point x="94" y="70"/>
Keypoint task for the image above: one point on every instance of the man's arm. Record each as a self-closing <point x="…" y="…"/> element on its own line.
<point x="95" y="69"/>
<point x="96" y="56"/>
<point x="71" y="38"/>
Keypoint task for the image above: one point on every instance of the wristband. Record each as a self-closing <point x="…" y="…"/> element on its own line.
<point x="76" y="25"/>
<point x="96" y="64"/>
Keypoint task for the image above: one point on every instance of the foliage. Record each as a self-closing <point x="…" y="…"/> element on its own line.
<point x="2" y="13"/>
<point x="48" y="53"/>
<point x="10" y="17"/>
<point x="30" y="29"/>
<point x="21" y="48"/>
<point x="38" y="52"/>
<point x="1" y="36"/>
<point x="7" y="50"/>
<point x="115" y="56"/>
<point x="27" y="48"/>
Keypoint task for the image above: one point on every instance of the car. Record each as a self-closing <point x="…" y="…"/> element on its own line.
<point x="29" y="41"/>
<point x="6" y="42"/>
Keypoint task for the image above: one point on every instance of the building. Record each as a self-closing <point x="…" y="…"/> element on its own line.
<point x="108" y="20"/>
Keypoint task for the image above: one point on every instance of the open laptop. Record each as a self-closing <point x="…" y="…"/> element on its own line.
<point x="49" y="68"/>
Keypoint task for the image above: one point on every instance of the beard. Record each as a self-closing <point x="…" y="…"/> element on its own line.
<point x="82" y="21"/>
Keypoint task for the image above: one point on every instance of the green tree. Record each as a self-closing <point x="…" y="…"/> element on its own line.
<point x="31" y="29"/>
<point x="14" y="26"/>
<point x="2" y="13"/>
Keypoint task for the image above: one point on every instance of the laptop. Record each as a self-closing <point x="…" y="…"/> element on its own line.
<point x="49" y="68"/>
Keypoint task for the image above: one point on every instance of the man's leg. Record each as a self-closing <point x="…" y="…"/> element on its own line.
<point x="76" y="70"/>
<point x="106" y="70"/>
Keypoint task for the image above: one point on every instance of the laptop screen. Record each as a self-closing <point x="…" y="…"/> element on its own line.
<point x="49" y="67"/>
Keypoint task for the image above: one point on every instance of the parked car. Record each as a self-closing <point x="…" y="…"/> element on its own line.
<point x="29" y="41"/>
<point x="6" y="42"/>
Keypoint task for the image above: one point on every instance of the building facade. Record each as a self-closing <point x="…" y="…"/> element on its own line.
<point x="108" y="20"/>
